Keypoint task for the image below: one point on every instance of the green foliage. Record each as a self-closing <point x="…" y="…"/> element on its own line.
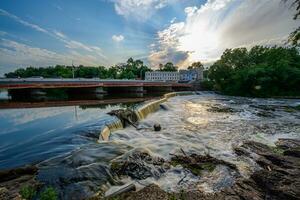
<point x="49" y="194"/>
<point x="294" y="37"/>
<point x="207" y="85"/>
<point x="260" y="72"/>
<point x="133" y="69"/>
<point x="27" y="192"/>
<point x="196" y="65"/>
<point x="168" y="67"/>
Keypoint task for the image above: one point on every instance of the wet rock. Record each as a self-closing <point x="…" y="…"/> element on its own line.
<point x="138" y="165"/>
<point x="291" y="147"/>
<point x="288" y="143"/>
<point x="4" y="194"/>
<point x="277" y="179"/>
<point x="265" y="114"/>
<point x="13" y="180"/>
<point x="157" y="127"/>
<point x="197" y="163"/>
<point x="163" y="107"/>
<point x="264" y="107"/>
<point x="122" y="189"/>
<point x="220" y="108"/>
<point x="126" y="116"/>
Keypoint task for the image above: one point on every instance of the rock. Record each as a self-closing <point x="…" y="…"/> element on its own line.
<point x="288" y="143"/>
<point x="163" y="107"/>
<point x="123" y="189"/>
<point x="6" y="175"/>
<point x="197" y="163"/>
<point x="265" y="114"/>
<point x="278" y="178"/>
<point x="4" y="194"/>
<point x="13" y="180"/>
<point x="157" y="127"/>
<point x="126" y="116"/>
<point x="220" y="108"/>
<point x="138" y="165"/>
<point x="151" y="192"/>
<point x="264" y="107"/>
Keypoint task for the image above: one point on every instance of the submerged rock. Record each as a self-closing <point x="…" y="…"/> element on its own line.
<point x="220" y="108"/>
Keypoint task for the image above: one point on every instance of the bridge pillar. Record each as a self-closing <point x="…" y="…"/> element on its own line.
<point x="100" y="90"/>
<point x="139" y="89"/>
<point x="37" y="92"/>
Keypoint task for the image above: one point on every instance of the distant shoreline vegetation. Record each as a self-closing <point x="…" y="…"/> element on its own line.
<point x="132" y="69"/>
<point x="258" y="72"/>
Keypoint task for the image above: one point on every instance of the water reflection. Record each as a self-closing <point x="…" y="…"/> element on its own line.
<point x="39" y="124"/>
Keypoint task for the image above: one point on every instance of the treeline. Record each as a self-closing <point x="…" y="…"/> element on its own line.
<point x="260" y="72"/>
<point x="132" y="69"/>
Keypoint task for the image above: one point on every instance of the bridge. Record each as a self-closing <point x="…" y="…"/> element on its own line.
<point x="99" y="85"/>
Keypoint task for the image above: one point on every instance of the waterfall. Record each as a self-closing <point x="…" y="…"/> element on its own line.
<point x="111" y="126"/>
<point x="140" y="112"/>
<point x="153" y="106"/>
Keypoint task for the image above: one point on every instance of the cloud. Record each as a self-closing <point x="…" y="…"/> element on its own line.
<point x="139" y="9"/>
<point x="89" y="53"/>
<point x="2" y="33"/>
<point x="117" y="38"/>
<point x="15" y="55"/>
<point x="59" y="34"/>
<point x="72" y="44"/>
<point x="219" y="24"/>
<point x="25" y="23"/>
<point x="166" y="51"/>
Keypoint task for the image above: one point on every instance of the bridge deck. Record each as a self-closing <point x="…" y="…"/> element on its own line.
<point x="81" y="83"/>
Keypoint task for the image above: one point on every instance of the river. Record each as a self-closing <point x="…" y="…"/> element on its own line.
<point x="64" y="141"/>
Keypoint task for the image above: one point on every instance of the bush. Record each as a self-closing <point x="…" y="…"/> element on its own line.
<point x="49" y="194"/>
<point x="27" y="192"/>
<point x="207" y="85"/>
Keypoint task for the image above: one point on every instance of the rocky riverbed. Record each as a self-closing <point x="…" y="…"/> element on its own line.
<point x="276" y="178"/>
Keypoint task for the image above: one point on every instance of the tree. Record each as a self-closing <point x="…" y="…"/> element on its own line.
<point x="130" y="70"/>
<point x="196" y="65"/>
<point x="261" y="71"/>
<point x="295" y="35"/>
<point x="169" y="67"/>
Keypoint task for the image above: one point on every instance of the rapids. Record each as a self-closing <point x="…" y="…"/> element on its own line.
<point x="202" y="123"/>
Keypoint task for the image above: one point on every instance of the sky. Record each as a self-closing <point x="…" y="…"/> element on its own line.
<point x="107" y="32"/>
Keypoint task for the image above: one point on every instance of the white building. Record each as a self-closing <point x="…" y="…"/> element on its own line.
<point x="191" y="75"/>
<point x="162" y="76"/>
